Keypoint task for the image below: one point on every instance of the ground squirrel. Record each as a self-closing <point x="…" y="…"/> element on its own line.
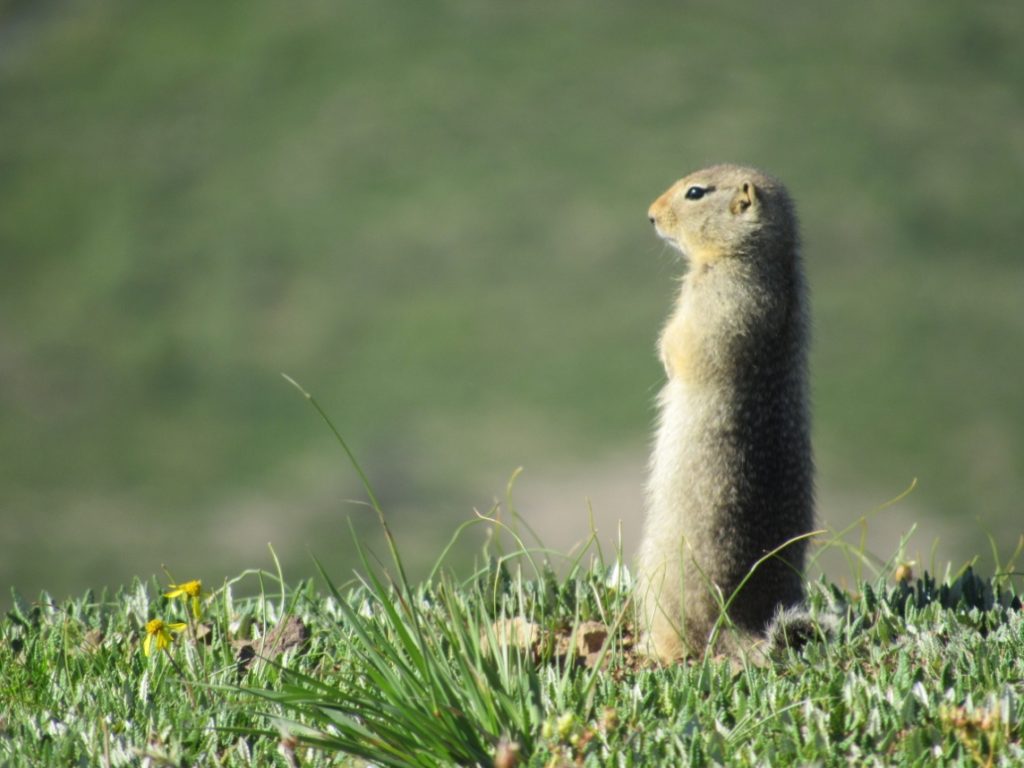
<point x="731" y="474"/>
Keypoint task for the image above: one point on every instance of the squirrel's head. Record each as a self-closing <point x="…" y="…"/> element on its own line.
<point x="725" y="211"/>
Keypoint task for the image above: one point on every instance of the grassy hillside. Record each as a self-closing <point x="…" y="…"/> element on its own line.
<point x="432" y="215"/>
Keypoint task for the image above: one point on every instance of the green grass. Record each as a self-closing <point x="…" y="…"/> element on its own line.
<point x="919" y="673"/>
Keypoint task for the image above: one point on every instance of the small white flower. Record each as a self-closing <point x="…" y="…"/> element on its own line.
<point x="619" y="577"/>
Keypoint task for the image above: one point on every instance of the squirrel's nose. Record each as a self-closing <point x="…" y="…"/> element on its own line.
<point x="650" y="218"/>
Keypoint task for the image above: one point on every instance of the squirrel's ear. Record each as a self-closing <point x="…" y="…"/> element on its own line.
<point x="745" y="197"/>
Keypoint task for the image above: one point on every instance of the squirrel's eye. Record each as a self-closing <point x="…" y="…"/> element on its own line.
<point x="695" y="193"/>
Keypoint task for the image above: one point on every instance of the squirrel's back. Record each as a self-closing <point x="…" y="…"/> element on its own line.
<point x="731" y="476"/>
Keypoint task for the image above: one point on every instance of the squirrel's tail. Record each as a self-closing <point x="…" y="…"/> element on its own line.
<point x="795" y="627"/>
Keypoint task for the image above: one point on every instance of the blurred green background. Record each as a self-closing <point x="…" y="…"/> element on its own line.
<point x="432" y="215"/>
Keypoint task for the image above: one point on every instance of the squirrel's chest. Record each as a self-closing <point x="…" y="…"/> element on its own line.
<point x="697" y="346"/>
<point x="715" y="329"/>
<point x="679" y="348"/>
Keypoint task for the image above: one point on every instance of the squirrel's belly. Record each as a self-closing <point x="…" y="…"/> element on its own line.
<point x="686" y="473"/>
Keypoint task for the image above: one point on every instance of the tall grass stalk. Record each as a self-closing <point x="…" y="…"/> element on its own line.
<point x="427" y="680"/>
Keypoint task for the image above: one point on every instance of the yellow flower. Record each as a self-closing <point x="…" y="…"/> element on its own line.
<point x="160" y="631"/>
<point x="191" y="590"/>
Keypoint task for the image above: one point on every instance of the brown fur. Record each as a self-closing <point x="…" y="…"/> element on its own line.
<point x="731" y="473"/>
